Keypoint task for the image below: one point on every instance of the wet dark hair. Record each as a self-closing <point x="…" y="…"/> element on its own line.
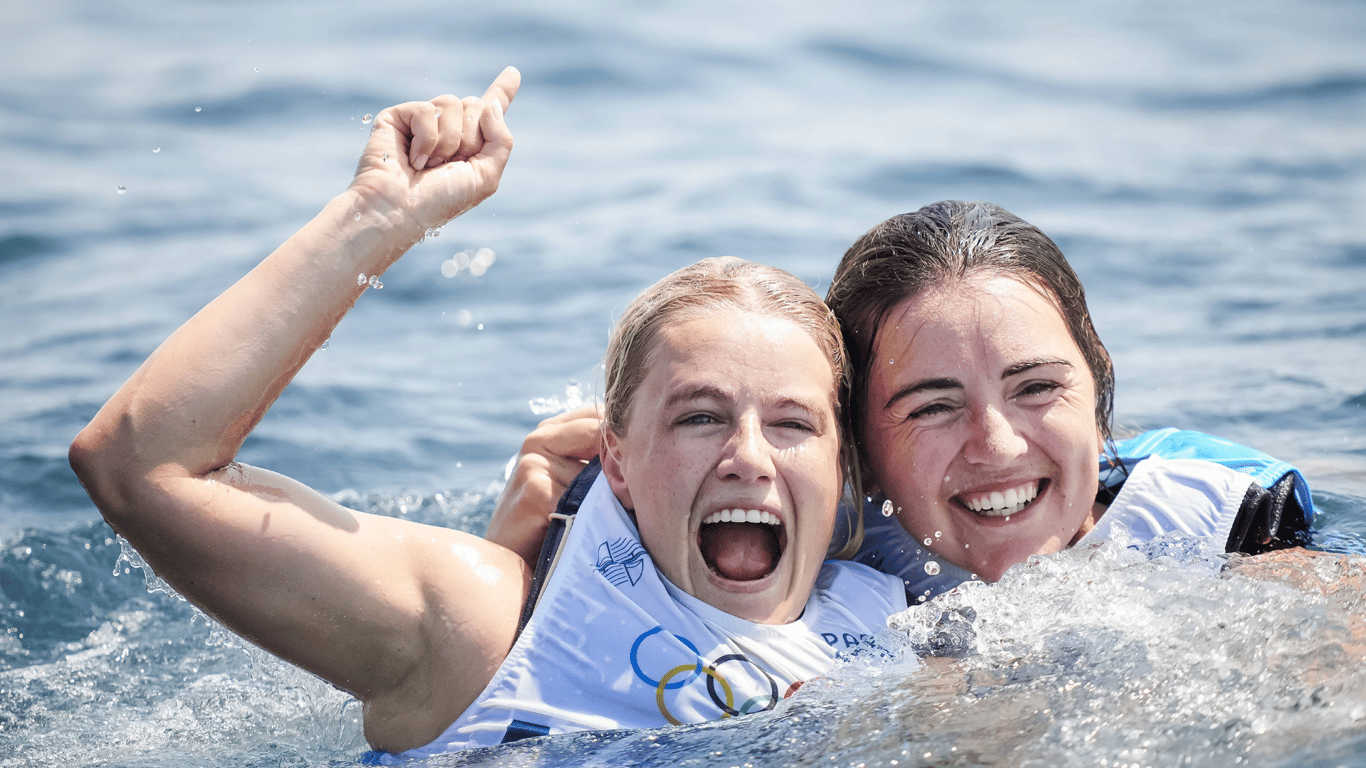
<point x="906" y="254"/>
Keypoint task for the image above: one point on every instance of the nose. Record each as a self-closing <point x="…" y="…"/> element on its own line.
<point x="993" y="439"/>
<point x="748" y="455"/>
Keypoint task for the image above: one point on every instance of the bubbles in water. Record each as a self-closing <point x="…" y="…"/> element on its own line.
<point x="932" y="567"/>
<point x="366" y="120"/>
<point x="887" y="508"/>
<point x="156" y="150"/>
<point x="360" y="279"/>
<point x="122" y="189"/>
<point x="375" y="283"/>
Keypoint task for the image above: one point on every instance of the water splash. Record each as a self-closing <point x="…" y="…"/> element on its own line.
<point x="366" y="119"/>
<point x="572" y="399"/>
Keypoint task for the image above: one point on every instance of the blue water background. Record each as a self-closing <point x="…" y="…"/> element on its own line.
<point x="1203" y="166"/>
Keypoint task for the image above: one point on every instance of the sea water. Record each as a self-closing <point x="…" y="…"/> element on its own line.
<point x="1202" y="165"/>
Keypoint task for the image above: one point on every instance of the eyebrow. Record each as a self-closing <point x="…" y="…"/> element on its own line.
<point x="1028" y="365"/>
<point x="709" y="392"/>
<point x="947" y="383"/>
<point x="702" y="392"/>
<point x="924" y="385"/>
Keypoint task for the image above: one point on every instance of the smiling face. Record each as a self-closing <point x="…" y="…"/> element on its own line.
<point x="980" y="423"/>
<point x="735" y="416"/>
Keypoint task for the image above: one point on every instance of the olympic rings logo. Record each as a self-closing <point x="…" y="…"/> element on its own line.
<point x="725" y="700"/>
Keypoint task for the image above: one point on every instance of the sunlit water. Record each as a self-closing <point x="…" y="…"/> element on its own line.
<point x="1203" y="165"/>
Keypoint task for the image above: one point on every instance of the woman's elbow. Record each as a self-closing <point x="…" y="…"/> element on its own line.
<point x="100" y="465"/>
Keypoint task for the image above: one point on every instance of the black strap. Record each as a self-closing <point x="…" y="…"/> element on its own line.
<point x="554" y="537"/>
<point x="1269" y="519"/>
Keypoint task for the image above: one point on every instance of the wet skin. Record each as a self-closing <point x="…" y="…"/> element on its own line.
<point x="981" y="423"/>
<point x="736" y="413"/>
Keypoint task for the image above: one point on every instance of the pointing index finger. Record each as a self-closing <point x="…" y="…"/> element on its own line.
<point x="504" y="87"/>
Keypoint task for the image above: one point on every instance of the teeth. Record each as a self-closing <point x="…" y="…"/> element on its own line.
<point x="1004" y="503"/>
<point x="741" y="516"/>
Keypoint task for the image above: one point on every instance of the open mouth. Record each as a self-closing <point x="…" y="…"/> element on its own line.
<point x="1011" y="501"/>
<point x="742" y="544"/>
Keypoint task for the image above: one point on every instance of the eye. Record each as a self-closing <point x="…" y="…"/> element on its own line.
<point x="930" y="410"/>
<point x="698" y="419"/>
<point x="1038" y="390"/>
<point x="795" y="424"/>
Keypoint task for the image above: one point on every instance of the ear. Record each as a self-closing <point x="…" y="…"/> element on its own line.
<point x="613" y="467"/>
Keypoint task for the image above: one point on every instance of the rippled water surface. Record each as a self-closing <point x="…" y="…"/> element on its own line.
<point x="1202" y="165"/>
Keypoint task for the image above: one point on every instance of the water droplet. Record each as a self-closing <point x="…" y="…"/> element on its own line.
<point x="920" y="598"/>
<point x="965" y="546"/>
<point x="449" y="269"/>
<point x="155" y="151"/>
<point x="932" y="567"/>
<point x="937" y="534"/>
<point x="438" y="111"/>
<point x="358" y="217"/>
<point x="326" y="343"/>
<point x="479" y="327"/>
<point x="122" y="189"/>
<point x="360" y="279"/>
<point x="929" y="542"/>
<point x="385" y="158"/>
<point x="375" y="283"/>
<point x="887" y="508"/>
<point x="463" y="318"/>
<point x="366" y="120"/>
<point x="483" y="259"/>
<point x="198" y="109"/>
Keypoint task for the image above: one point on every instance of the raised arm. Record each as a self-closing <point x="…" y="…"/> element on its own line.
<point x="411" y="619"/>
